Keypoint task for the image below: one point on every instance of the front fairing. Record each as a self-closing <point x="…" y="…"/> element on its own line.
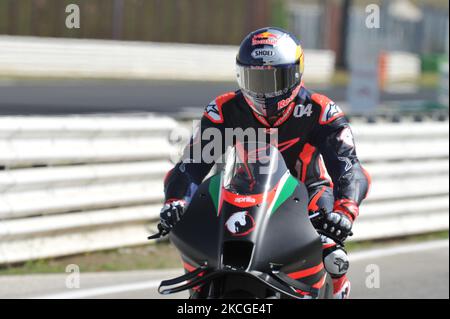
<point x="250" y="216"/>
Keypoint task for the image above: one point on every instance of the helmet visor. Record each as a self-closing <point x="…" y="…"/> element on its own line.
<point x="267" y="82"/>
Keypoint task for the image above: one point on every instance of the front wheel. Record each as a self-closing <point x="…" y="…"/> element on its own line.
<point x="238" y="294"/>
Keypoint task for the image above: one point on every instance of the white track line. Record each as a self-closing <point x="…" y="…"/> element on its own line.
<point x="101" y="291"/>
<point x="357" y="256"/>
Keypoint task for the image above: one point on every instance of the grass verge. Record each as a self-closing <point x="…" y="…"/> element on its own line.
<point x="161" y="255"/>
<point x="426" y="79"/>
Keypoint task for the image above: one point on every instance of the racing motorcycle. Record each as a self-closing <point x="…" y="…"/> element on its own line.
<point x="247" y="233"/>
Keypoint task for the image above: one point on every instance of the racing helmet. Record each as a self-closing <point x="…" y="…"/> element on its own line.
<point x="269" y="70"/>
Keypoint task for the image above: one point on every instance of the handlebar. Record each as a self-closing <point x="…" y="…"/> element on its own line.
<point x="161" y="233"/>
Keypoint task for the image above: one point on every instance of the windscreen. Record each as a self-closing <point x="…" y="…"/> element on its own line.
<point x="253" y="168"/>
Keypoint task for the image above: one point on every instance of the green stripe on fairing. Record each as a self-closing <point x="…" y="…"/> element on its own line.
<point x="214" y="190"/>
<point x="286" y="192"/>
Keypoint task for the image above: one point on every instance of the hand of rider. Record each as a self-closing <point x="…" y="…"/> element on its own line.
<point x="171" y="213"/>
<point x="337" y="224"/>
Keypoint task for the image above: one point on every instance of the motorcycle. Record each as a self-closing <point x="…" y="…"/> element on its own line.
<point x="247" y="234"/>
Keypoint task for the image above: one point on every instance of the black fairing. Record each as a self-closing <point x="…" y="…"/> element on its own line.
<point x="285" y="238"/>
<point x="288" y="239"/>
<point x="198" y="235"/>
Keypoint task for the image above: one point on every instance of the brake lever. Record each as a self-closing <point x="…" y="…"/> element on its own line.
<point x="317" y="214"/>
<point x="161" y="233"/>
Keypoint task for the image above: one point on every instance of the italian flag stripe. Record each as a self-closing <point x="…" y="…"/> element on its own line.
<point x="215" y="187"/>
<point x="285" y="189"/>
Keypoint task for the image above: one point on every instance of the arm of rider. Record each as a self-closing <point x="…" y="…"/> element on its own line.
<point x="181" y="182"/>
<point x="351" y="182"/>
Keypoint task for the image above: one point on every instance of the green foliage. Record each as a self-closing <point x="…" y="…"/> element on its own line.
<point x="279" y="14"/>
<point x="157" y="256"/>
<point x="432" y="62"/>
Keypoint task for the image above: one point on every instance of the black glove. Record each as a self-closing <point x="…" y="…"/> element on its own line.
<point x="335" y="225"/>
<point x="171" y="214"/>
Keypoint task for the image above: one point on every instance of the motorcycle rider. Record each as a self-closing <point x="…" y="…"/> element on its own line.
<point x="314" y="138"/>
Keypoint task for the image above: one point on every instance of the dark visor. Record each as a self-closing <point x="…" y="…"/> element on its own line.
<point x="267" y="81"/>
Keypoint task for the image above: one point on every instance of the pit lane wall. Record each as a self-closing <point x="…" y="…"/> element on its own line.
<point x="77" y="184"/>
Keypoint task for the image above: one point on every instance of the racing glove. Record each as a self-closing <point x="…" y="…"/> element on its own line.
<point x="171" y="213"/>
<point x="337" y="224"/>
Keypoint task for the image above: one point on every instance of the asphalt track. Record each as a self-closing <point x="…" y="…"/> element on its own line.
<point x="169" y="97"/>
<point x="409" y="270"/>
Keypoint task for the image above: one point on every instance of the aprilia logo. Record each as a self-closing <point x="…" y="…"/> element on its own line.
<point x="246" y="199"/>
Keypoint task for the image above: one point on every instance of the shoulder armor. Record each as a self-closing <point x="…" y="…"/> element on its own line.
<point x="214" y="109"/>
<point x="329" y="110"/>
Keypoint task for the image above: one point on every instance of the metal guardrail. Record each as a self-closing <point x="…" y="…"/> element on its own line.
<point x="71" y="185"/>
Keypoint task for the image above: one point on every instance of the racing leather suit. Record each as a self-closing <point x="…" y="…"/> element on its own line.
<point x="314" y="138"/>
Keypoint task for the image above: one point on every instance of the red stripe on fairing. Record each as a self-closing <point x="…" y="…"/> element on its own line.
<point x="301" y="292"/>
<point x="245" y="201"/>
<point x="320" y="283"/>
<point x="313" y="203"/>
<point x="188" y="267"/>
<point x="191" y="268"/>
<point x="306" y="272"/>
<point x="305" y="157"/>
<point x="317" y="285"/>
